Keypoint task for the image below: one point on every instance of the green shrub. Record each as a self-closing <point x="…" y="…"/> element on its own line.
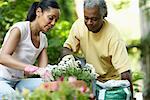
<point x="56" y="38"/>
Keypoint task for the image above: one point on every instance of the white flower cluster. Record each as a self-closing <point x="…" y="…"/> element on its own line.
<point x="69" y="61"/>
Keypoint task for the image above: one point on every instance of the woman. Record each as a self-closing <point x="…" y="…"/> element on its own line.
<point x="24" y="43"/>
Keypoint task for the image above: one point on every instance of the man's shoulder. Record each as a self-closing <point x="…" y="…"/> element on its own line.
<point x="109" y="24"/>
<point x="79" y="21"/>
<point x="79" y="24"/>
<point x="111" y="30"/>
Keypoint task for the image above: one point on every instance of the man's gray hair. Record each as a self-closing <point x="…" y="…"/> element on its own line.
<point x="100" y="3"/>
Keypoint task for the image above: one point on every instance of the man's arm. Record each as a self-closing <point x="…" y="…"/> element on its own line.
<point x="127" y="76"/>
<point x="66" y="51"/>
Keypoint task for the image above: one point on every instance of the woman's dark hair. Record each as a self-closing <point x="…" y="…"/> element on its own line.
<point x="44" y="5"/>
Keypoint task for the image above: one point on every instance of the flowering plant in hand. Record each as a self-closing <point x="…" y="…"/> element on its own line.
<point x="66" y="81"/>
<point x="68" y="66"/>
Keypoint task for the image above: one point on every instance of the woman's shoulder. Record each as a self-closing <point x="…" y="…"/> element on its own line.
<point x="23" y="27"/>
<point x="43" y="39"/>
<point x="21" y="24"/>
<point x="43" y="35"/>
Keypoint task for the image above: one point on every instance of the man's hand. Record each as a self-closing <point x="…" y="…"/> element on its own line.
<point x="65" y="51"/>
<point x="127" y="76"/>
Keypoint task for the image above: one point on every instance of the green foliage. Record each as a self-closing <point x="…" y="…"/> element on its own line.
<point x="79" y="73"/>
<point x="143" y="2"/>
<point x="134" y="47"/>
<point x="146" y="40"/>
<point x="67" y="10"/>
<point x="145" y="8"/>
<point x="37" y="95"/>
<point x="65" y="91"/>
<point x="121" y="4"/>
<point x="145" y="45"/>
<point x="136" y="76"/>
<point x="56" y="38"/>
<point x="12" y="11"/>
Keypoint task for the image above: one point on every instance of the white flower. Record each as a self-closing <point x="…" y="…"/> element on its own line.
<point x="51" y="67"/>
<point x="68" y="61"/>
<point x="90" y="68"/>
<point x="69" y="66"/>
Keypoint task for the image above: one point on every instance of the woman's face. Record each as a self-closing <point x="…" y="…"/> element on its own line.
<point x="48" y="18"/>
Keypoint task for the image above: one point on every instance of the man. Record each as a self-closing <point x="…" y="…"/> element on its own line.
<point x="100" y="43"/>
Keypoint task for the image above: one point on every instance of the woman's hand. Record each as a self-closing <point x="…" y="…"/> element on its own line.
<point x="28" y="70"/>
<point x="45" y="74"/>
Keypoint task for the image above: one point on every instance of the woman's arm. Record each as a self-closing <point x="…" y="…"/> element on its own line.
<point x="8" y="48"/>
<point x="43" y="58"/>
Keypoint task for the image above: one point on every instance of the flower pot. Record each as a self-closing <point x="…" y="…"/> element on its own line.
<point x="29" y="83"/>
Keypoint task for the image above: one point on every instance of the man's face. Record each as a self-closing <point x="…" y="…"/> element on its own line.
<point x="93" y="19"/>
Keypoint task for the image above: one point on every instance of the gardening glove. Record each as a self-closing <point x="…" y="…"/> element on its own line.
<point x="45" y="74"/>
<point x="30" y="69"/>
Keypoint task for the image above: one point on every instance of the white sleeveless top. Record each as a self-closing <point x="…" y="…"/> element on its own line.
<point x="25" y="52"/>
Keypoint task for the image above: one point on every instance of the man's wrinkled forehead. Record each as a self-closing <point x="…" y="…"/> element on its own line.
<point x="93" y="12"/>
